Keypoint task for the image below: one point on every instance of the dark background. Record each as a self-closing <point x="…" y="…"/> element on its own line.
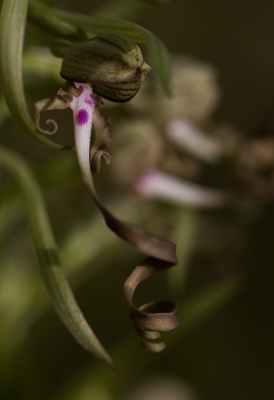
<point x="230" y="355"/>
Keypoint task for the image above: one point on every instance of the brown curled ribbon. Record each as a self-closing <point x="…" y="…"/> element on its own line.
<point x="156" y="316"/>
<point x="153" y="317"/>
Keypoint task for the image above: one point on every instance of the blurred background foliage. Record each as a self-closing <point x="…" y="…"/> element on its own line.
<point x="224" y="281"/>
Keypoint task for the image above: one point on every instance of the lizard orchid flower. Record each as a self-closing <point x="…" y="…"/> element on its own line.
<point x="112" y="67"/>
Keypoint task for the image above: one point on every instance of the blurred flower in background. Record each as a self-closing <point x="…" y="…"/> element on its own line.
<point x="162" y="388"/>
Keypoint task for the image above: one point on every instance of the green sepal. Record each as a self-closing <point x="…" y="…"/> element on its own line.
<point x="156" y="50"/>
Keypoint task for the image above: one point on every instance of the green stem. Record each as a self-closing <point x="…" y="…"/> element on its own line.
<point x="184" y="236"/>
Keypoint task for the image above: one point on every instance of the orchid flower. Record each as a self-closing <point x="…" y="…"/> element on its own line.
<point x="162" y="186"/>
<point x="92" y="135"/>
<point x="185" y="135"/>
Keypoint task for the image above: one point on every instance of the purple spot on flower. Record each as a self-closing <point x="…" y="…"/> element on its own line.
<point x="89" y="101"/>
<point x="82" y="117"/>
<point x="81" y="87"/>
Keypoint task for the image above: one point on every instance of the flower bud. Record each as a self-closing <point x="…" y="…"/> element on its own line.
<point x="112" y="64"/>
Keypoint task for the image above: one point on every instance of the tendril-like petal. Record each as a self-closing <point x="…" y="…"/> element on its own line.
<point x="61" y="101"/>
<point x="96" y="161"/>
<point x="153" y="317"/>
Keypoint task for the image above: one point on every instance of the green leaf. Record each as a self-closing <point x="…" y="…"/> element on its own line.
<point x="122" y="9"/>
<point x="43" y="17"/>
<point x="12" y="29"/>
<point x="51" y="270"/>
<point x="156" y="50"/>
<point x="157" y="53"/>
<point x="97" y="25"/>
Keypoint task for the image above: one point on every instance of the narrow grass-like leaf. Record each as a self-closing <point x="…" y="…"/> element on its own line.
<point x="43" y="17"/>
<point x="12" y="29"/>
<point x="47" y="252"/>
<point x="156" y="50"/>
<point x="157" y="53"/>
<point x="122" y="9"/>
<point x="97" y="25"/>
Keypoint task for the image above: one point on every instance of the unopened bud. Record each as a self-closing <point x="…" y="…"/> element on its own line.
<point x="112" y="64"/>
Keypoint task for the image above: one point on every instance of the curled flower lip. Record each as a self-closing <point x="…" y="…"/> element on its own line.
<point x="162" y="186"/>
